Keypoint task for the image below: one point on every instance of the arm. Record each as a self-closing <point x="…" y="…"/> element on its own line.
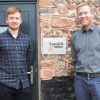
<point x="29" y="56"/>
<point x="74" y="52"/>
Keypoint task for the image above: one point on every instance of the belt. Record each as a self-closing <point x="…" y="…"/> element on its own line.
<point x="88" y="75"/>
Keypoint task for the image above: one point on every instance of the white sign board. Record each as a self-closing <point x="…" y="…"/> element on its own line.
<point x="3" y="28"/>
<point x="54" y="46"/>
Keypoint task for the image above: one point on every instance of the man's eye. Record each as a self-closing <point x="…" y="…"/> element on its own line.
<point x="11" y="18"/>
<point x="85" y="13"/>
<point x="79" y="14"/>
<point x="16" y="18"/>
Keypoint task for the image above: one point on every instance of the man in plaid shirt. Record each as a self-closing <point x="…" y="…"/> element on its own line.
<point x="15" y="59"/>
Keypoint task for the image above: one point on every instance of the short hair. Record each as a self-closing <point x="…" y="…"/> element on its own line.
<point x="13" y="10"/>
<point x="84" y="4"/>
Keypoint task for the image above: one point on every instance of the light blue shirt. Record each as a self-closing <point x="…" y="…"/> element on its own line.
<point x="86" y="49"/>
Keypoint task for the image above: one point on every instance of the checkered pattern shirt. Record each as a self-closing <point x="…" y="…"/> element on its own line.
<point x="15" y="59"/>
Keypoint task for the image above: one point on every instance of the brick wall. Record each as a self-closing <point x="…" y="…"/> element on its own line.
<point x="57" y="19"/>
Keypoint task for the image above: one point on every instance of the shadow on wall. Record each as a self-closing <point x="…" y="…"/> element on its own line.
<point x="58" y="88"/>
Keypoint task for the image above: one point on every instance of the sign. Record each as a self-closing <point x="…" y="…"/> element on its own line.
<point x="54" y="46"/>
<point x="3" y="28"/>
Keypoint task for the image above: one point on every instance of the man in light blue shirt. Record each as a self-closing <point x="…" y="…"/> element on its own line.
<point x="86" y="55"/>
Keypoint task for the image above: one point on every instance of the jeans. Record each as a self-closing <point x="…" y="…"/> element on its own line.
<point x="87" y="89"/>
<point x="8" y="93"/>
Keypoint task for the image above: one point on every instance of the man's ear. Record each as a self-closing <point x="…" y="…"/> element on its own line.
<point x="6" y="20"/>
<point x="21" y="21"/>
<point x="93" y="14"/>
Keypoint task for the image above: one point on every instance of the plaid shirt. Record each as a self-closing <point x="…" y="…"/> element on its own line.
<point x="15" y="59"/>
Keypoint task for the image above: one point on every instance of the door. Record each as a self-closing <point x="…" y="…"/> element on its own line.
<point x="28" y="26"/>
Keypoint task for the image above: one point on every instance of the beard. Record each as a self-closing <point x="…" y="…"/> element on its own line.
<point x="86" y="22"/>
<point x="14" y="27"/>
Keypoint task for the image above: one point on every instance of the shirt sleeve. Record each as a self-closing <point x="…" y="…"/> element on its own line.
<point x="74" y="52"/>
<point x="29" y="56"/>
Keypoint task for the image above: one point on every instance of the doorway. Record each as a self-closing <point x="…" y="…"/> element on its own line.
<point x="28" y="26"/>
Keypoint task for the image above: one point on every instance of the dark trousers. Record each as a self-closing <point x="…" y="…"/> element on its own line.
<point x="8" y="93"/>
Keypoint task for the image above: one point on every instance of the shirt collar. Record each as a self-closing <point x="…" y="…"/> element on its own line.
<point x="92" y="28"/>
<point x="8" y="32"/>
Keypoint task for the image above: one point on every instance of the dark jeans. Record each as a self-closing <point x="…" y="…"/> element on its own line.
<point x="87" y="89"/>
<point x="8" y="93"/>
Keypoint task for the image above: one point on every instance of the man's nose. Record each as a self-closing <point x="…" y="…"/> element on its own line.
<point x="14" y="19"/>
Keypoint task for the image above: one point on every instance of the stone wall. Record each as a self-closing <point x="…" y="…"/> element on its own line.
<point x="58" y="88"/>
<point x="57" y="19"/>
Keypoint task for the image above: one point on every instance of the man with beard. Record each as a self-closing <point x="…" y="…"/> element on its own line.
<point x="86" y="55"/>
<point x="15" y="59"/>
